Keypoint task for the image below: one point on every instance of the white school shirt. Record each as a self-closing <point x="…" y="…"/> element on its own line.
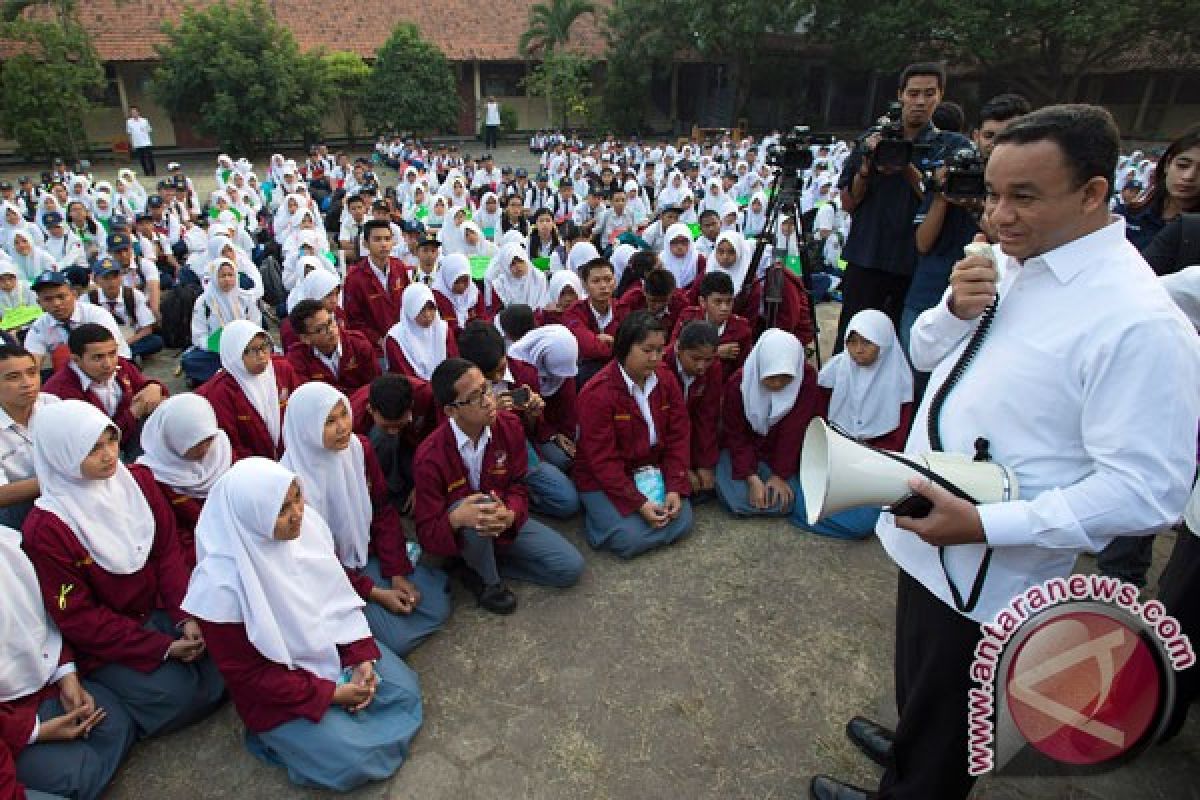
<point x="16" y="444"/>
<point x="47" y="333"/>
<point x="143" y="316"/>
<point x="493" y="114"/>
<point x="472" y="452"/>
<point x="110" y="393"/>
<point x="641" y="396"/>
<point x="1085" y="388"/>
<point x="139" y="131"/>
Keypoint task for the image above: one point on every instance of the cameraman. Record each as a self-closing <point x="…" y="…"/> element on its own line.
<point x="879" y="252"/>
<point x="944" y="226"/>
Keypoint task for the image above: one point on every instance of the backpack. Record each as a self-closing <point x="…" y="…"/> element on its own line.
<point x="126" y="300"/>
<point x="176" y="314"/>
<point x="272" y="281"/>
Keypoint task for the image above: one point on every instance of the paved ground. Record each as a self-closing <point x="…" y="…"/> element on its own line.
<point x="723" y="667"/>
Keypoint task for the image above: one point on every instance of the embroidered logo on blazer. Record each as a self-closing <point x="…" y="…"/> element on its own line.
<point x="621" y="417"/>
<point x="458" y="484"/>
<point x="64" y="590"/>
<point x="501" y="458"/>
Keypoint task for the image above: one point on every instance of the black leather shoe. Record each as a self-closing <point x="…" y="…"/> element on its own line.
<point x="498" y="599"/>
<point x="872" y="738"/>
<point x="824" y="787"/>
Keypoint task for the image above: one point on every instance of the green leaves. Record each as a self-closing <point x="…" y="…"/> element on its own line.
<point x="411" y="86"/>
<point x="550" y="24"/>
<point x="566" y="80"/>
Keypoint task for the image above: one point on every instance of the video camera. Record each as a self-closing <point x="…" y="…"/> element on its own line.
<point x="892" y="150"/>
<point x="964" y="176"/>
<point x="793" y="152"/>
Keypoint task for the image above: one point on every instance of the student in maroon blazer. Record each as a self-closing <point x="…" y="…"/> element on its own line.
<point x="768" y="405"/>
<point x="186" y="452"/>
<point x="471" y="500"/>
<point x="97" y="375"/>
<point x="66" y="734"/>
<point x="249" y="394"/>
<point x="693" y="362"/>
<point x="657" y="294"/>
<point x="371" y="292"/>
<point x="421" y="339"/>
<point x="327" y="352"/>
<point x="287" y="333"/>
<point x="594" y="320"/>
<point x="630" y="509"/>
<point x="102" y="540"/>
<point x="715" y="305"/>
<point x="318" y="696"/>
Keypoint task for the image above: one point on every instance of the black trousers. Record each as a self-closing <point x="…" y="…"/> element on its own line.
<point x="934" y="649"/>
<point x="146" y="156"/>
<point x="490" y="133"/>
<point x="863" y="288"/>
<point x="1179" y="591"/>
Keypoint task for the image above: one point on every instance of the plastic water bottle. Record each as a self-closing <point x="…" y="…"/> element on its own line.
<point x="649" y="481"/>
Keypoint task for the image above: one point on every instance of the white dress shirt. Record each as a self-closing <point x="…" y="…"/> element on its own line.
<point x="641" y="396"/>
<point x="16" y="444"/>
<point x="1085" y="387"/>
<point x="46" y="333"/>
<point x="472" y="452"/>
<point x="330" y="361"/>
<point x="109" y="393"/>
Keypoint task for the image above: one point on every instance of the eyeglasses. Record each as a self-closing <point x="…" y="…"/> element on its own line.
<point x="323" y="330"/>
<point x="257" y="350"/>
<point x="478" y="398"/>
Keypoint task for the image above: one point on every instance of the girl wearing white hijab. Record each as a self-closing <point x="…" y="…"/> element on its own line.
<point x="514" y="279"/>
<point x="421" y="339"/>
<point x="870" y="388"/>
<point x="565" y="289"/>
<point x="767" y="407"/>
<point x="30" y="258"/>
<point x="680" y="257"/>
<point x="451" y="235"/>
<point x="249" y="278"/>
<point x="318" y="696"/>
<point x="221" y="303"/>
<point x="43" y="699"/>
<point x="186" y="452"/>
<point x="458" y="298"/>
<point x="250" y="393"/>
<point x="547" y="360"/>
<point x="14" y="292"/>
<point x="754" y="218"/>
<point x="103" y="535"/>
<point x="731" y="255"/>
<point x="580" y="254"/>
<point x="474" y="242"/>
<point x="346" y="486"/>
<point x="620" y="260"/>
<point x="489" y="213"/>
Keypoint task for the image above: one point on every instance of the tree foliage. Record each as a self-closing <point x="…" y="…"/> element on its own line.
<point x="346" y="74"/>
<point x="550" y="24"/>
<point x="411" y="86"/>
<point x="565" y="79"/>
<point x="240" y="75"/>
<point x="44" y="88"/>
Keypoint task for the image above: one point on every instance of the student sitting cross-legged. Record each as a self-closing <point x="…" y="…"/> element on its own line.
<point x="103" y="542"/>
<point x="344" y="483"/>
<point x="318" y="696"/>
<point x="631" y="465"/>
<point x="471" y="498"/>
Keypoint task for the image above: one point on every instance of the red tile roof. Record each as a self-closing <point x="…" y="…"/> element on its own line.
<point x="465" y="30"/>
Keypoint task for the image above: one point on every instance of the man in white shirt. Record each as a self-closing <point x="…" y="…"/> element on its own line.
<point x="20" y="398"/>
<point x="128" y="307"/>
<point x="1083" y="343"/>
<point x="63" y="314"/>
<point x="138" y="129"/>
<point x="63" y="245"/>
<point x="491" y="123"/>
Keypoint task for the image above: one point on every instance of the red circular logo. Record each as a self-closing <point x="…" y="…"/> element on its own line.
<point x="1083" y="688"/>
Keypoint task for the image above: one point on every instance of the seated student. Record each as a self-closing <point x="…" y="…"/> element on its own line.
<point x="595" y="319"/>
<point x="250" y="393"/>
<point x="186" y="452"/>
<point x="631" y="466"/>
<point x="21" y="399"/>
<point x="344" y="483"/>
<point x="421" y="339"/>
<point x="318" y="696"/>
<point x="48" y="333"/>
<point x="550" y="490"/>
<point x="429" y="261"/>
<point x="513" y="279"/>
<point x="471" y="500"/>
<point x="320" y="285"/>
<point x="680" y="256"/>
<point x="67" y="735"/>
<point x="395" y="413"/>
<point x="564" y="291"/>
<point x="716" y="306"/>
<point x="868" y="388"/>
<point x="692" y="358"/>
<point x="99" y="376"/>
<point x="657" y="294"/>
<point x="767" y="407"/>
<point x="127" y="306"/>
<point x="373" y="287"/>
<point x="221" y="303"/>
<point x="458" y="298"/>
<point x="14" y="290"/>
<point x="113" y="580"/>
<point x="545" y="359"/>
<point x="327" y="352"/>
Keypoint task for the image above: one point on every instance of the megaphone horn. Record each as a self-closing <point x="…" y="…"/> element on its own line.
<point x="837" y="473"/>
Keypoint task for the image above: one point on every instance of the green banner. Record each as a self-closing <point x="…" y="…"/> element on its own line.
<point x="542" y="263"/>
<point x="479" y="266"/>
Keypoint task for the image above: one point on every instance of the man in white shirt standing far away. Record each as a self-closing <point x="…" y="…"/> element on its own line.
<point x="1084" y="385"/>
<point x="138" y="129"/>
<point x="491" y="123"/>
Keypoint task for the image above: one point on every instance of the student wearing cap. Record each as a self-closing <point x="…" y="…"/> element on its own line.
<point x="128" y="306"/>
<point x="63" y="313"/>
<point x="97" y="375"/>
<point x="136" y="271"/>
<point x="428" y="253"/>
<point x="63" y="246"/>
<point x="327" y="352"/>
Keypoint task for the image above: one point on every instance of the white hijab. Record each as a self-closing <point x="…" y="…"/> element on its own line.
<point x="580" y="254"/>
<point x="554" y="350"/>
<point x="260" y="390"/>
<point x="451" y="234"/>
<point x="560" y="281"/>
<point x="120" y="538"/>
<point x="684" y="269"/>
<point x="620" y="260"/>
<point x="316" y="285"/>
<point x="866" y="401"/>
<point x="293" y="596"/>
<point x="335" y="481"/>
<point x="745" y="253"/>
<point x="455" y="266"/>
<point x="529" y="290"/>
<point x="424" y="348"/>
<point x="176" y="426"/>
<point x="226" y="306"/>
<point x="777" y="353"/>
<point x="30" y="645"/>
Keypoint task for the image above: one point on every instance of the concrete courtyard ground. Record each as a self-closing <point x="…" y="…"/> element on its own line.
<point x="723" y="667"/>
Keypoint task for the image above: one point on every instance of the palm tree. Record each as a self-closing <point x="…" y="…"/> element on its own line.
<point x="550" y="24"/>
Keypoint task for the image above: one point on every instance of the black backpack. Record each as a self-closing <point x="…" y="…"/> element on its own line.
<point x="176" y="309"/>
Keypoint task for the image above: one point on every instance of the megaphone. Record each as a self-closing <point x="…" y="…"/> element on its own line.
<point x="838" y="473"/>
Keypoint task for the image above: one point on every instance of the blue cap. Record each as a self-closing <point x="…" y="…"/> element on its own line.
<point x="52" y="218"/>
<point x="118" y="241"/>
<point x="412" y="226"/>
<point x="50" y="277"/>
<point x="106" y="265"/>
<point x="78" y="276"/>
